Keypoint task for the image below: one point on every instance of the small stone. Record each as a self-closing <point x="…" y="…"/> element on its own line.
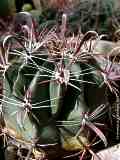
<point x="112" y="153"/>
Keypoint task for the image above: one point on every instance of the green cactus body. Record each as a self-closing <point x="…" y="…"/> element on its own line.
<point x="46" y="96"/>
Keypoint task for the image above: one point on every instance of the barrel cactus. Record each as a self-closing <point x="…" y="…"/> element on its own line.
<point x="54" y="91"/>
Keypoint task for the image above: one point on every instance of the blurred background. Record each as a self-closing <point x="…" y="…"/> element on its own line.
<point x="84" y="15"/>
